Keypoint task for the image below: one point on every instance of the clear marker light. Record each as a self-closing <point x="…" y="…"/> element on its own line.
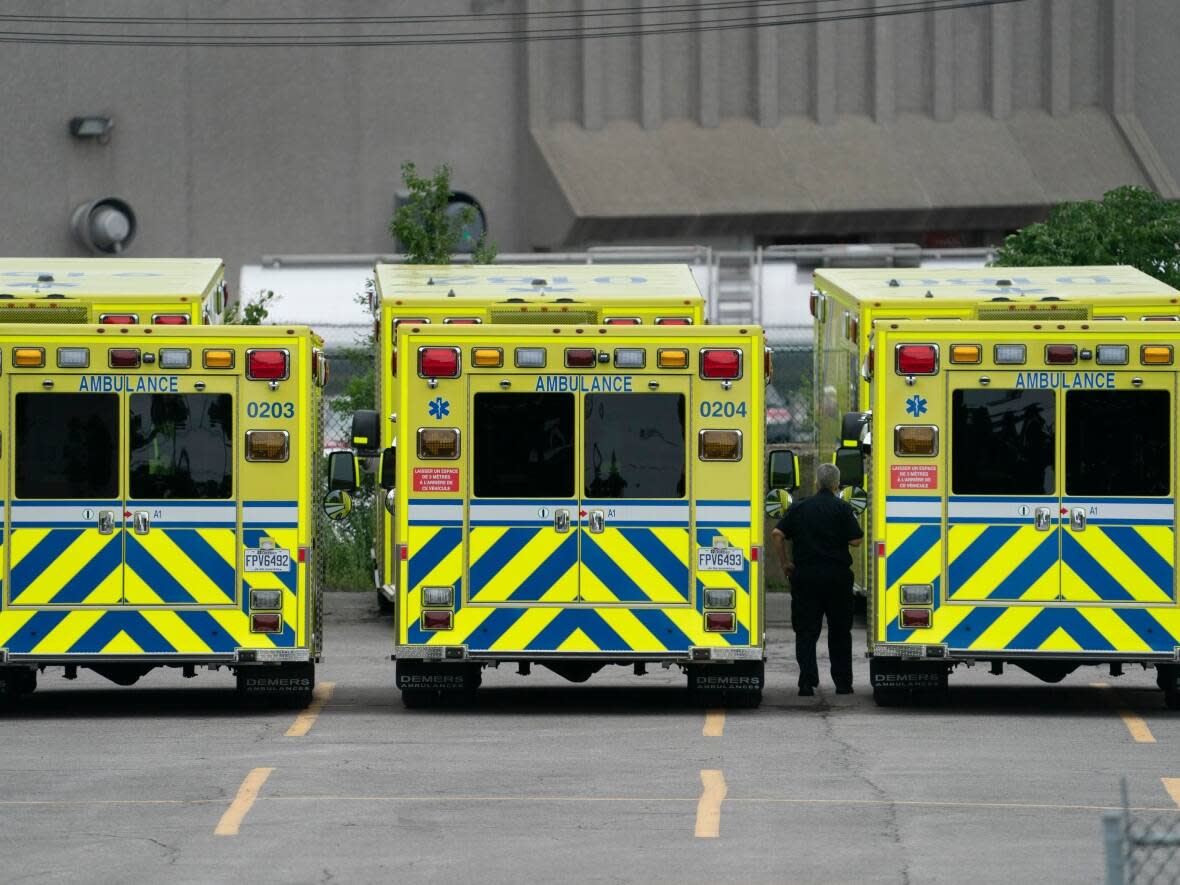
<point x="176" y="358"/>
<point x="530" y="357"/>
<point x="1010" y="354"/>
<point x="73" y="357"/>
<point x="630" y="357"/>
<point x="1112" y="354"/>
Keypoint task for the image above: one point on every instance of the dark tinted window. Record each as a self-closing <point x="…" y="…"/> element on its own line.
<point x="1116" y="442"/>
<point x="634" y="445"/>
<point x="67" y="445"/>
<point x="1003" y="442"/>
<point x="181" y="445"/>
<point x="523" y="445"/>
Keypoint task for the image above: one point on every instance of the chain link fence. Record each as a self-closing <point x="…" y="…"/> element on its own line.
<point x="345" y="547"/>
<point x="1142" y="848"/>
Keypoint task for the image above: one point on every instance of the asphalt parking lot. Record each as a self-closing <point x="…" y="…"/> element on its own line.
<point x="615" y="780"/>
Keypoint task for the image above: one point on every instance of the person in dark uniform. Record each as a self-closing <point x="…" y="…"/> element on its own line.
<point x="812" y="542"/>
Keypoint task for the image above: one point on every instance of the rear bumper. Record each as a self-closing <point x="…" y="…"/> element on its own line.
<point x="918" y="651"/>
<point x="695" y="655"/>
<point x="240" y="656"/>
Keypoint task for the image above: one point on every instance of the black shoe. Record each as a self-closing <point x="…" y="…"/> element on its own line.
<point x="843" y="689"/>
<point x="806" y="691"/>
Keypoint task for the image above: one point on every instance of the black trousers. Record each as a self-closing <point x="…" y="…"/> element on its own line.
<point x="813" y="598"/>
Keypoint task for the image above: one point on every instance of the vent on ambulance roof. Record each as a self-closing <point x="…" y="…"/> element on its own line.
<point x="43" y="315"/>
<point x="545" y="318"/>
<point x="1013" y="312"/>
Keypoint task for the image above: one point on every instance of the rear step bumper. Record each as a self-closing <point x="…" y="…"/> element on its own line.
<point x="694" y="655"/>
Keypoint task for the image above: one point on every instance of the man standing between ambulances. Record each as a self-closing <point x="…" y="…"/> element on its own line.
<point x="812" y="542"/>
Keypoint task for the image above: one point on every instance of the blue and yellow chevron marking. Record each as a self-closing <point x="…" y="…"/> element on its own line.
<point x="73" y="565"/>
<point x="635" y="565"/>
<point x="181" y="566"/>
<point x="1119" y="563"/>
<point x="1002" y="562"/>
<point x="522" y="563"/>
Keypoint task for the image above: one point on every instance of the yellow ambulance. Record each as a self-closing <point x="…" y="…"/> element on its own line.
<point x="157" y="483"/>
<point x="433" y="295"/>
<point x="577" y="496"/>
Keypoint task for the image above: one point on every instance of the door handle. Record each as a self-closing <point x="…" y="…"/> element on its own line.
<point x="1077" y="519"/>
<point x="1043" y="518"/>
<point x="597" y="521"/>
<point x="143" y="523"/>
<point x="106" y="522"/>
<point x="561" y="521"/>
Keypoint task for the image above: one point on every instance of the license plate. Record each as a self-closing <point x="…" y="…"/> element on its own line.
<point x="275" y="560"/>
<point x="720" y="559"/>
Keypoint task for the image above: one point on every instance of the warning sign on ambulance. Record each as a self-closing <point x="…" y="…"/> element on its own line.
<point x="436" y="479"/>
<point x="913" y="476"/>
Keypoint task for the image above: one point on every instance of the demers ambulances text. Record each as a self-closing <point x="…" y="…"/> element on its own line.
<point x="1066" y="380"/>
<point x="584" y="384"/>
<point x="129" y="383"/>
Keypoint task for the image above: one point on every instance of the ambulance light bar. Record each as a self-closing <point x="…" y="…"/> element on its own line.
<point x="487" y="357"/>
<point x="621" y="321"/>
<point x="966" y="354"/>
<point x="915" y="440"/>
<point x="170" y="319"/>
<point x="720" y="445"/>
<point x="268" y="445"/>
<point x="438" y="362"/>
<point x="28" y="357"/>
<point x="1061" y="354"/>
<point x="268" y="365"/>
<point x="172" y="358"/>
<point x="916" y="359"/>
<point x="1010" y="354"/>
<point x="73" y="357"/>
<point x="1156" y="354"/>
<point x="630" y="357"/>
<point x="438" y="443"/>
<point x="1112" y="354"/>
<point x="720" y="363"/>
<point x="580" y="357"/>
<point x="123" y="357"/>
<point x="218" y="359"/>
<point x="119" y="319"/>
<point x="674" y="321"/>
<point x="530" y="357"/>
<point x="672" y="358"/>
<point x="411" y="321"/>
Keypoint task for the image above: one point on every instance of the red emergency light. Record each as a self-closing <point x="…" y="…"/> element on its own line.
<point x="124" y="358"/>
<point x="580" y="357"/>
<point x="118" y="319"/>
<point x="432" y="620"/>
<point x="438" y="362"/>
<point x="267" y="365"/>
<point x="621" y="321"/>
<point x="1061" y="354"/>
<point x="917" y="359"/>
<point x="170" y="319"/>
<point x="721" y="363"/>
<point x="673" y="321"/>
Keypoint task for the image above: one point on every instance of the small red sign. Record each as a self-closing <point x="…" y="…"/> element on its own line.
<point x="436" y="479"/>
<point x="913" y="476"/>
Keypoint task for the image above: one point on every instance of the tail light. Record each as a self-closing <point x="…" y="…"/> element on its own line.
<point x="269" y="622"/>
<point x="170" y="319"/>
<point x="437" y="620"/>
<point x="580" y="357"/>
<point x="28" y="357"/>
<point x="438" y="362"/>
<point x="268" y="445"/>
<point x="721" y="363"/>
<point x="916" y="618"/>
<point x="268" y="365"/>
<point x="438" y="443"/>
<point x="915" y="440"/>
<point x="218" y="359"/>
<point x="720" y="445"/>
<point x="1156" y="354"/>
<point x="674" y="321"/>
<point x="410" y="321"/>
<point x="621" y="321"/>
<point x="676" y="358"/>
<point x="1061" y="354"/>
<point x="917" y="359"/>
<point x="119" y="319"/>
<point x="123" y="358"/>
<point x="720" y="622"/>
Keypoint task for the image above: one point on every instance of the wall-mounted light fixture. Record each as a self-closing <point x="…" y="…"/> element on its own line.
<point x="97" y="128"/>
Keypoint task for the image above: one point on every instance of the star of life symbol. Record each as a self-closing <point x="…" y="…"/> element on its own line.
<point x="916" y="406"/>
<point x="439" y="408"/>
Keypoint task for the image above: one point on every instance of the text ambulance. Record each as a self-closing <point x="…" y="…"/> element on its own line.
<point x="577" y="496"/>
<point x="157" y="485"/>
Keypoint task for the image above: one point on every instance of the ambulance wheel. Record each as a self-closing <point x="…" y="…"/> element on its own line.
<point x="16" y="683"/>
<point x="384" y="605"/>
<point x="1167" y="677"/>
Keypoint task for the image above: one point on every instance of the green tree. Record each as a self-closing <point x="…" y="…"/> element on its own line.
<point x="427" y="232"/>
<point x="250" y="313"/>
<point x="1129" y="225"/>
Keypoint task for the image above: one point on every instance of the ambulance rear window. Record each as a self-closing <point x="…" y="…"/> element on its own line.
<point x="181" y="445"/>
<point x="523" y="445"/>
<point x="635" y="445"/>
<point x="67" y="445"/>
<point x="1003" y="442"/>
<point x="1117" y="442"/>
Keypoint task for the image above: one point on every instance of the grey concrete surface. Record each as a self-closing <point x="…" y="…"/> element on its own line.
<point x="543" y="781"/>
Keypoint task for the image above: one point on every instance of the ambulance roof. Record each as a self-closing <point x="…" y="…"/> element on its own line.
<point x="424" y="283"/>
<point x="109" y="277"/>
<point x="945" y="284"/>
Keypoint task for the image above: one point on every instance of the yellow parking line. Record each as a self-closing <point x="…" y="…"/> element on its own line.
<point x="709" y="805"/>
<point x="231" y="821"/>
<point x="714" y="724"/>
<point x="305" y="720"/>
<point x="1134" y="722"/>
<point x="1172" y="785"/>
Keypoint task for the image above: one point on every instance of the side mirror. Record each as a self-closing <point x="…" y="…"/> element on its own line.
<point x="387" y="478"/>
<point x="366" y="431"/>
<point x="857" y="498"/>
<point x="344" y="473"/>
<point x="337" y="505"/>
<point x="778" y="501"/>
<point x="851" y="426"/>
<point x="783" y="472"/>
<point x="852" y="466"/>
